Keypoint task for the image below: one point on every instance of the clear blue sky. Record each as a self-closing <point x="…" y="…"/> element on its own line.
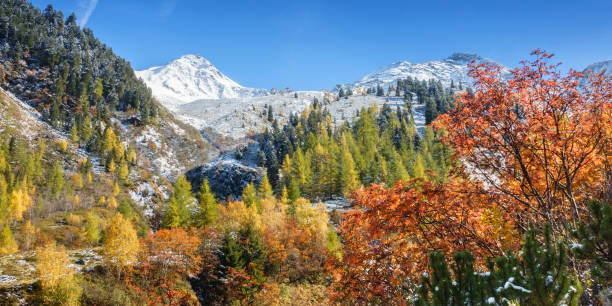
<point x="312" y="44"/>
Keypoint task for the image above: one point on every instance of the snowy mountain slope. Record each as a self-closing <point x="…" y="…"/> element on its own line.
<point x="454" y="68"/>
<point x="239" y="116"/>
<point x="600" y="66"/>
<point x="200" y="95"/>
<point x="190" y="78"/>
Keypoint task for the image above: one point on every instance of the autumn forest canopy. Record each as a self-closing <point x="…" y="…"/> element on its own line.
<point x="501" y="196"/>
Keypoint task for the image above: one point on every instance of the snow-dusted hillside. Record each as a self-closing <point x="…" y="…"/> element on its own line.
<point x="239" y="116"/>
<point x="200" y="95"/>
<point x="190" y="78"/>
<point x="600" y="66"/>
<point x="454" y="68"/>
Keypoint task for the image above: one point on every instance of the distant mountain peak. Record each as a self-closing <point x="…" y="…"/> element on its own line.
<point x="192" y="77"/>
<point x="453" y="68"/>
<point x="465" y="57"/>
<point x="598" y="67"/>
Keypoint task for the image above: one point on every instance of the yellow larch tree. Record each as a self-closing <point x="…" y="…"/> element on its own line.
<point x="122" y="244"/>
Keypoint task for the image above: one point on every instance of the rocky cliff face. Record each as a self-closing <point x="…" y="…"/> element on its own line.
<point x="226" y="178"/>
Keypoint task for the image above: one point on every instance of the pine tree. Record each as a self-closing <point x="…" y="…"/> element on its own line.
<point x="294" y="191"/>
<point x="123" y="170"/>
<point x="397" y="171"/>
<point x="347" y="175"/>
<point x="265" y="189"/>
<point x="57" y="179"/>
<point x="232" y="254"/>
<point x="178" y="206"/>
<point x="284" y="196"/>
<point x="594" y="240"/>
<point x="74" y="136"/>
<point x="286" y="171"/>
<point x="253" y="250"/>
<point x="207" y="215"/>
<point x="418" y="170"/>
<point x="540" y="278"/>
<point x="431" y="111"/>
<point x="270" y="114"/>
<point x="301" y="172"/>
<point x="249" y="195"/>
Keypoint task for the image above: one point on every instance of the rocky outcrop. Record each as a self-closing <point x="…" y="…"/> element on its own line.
<point x="226" y="178"/>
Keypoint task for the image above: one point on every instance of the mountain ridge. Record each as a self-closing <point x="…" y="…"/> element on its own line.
<point x="190" y="78"/>
<point x="451" y="69"/>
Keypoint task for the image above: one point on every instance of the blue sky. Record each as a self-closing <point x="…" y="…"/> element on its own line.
<point x="312" y="44"/>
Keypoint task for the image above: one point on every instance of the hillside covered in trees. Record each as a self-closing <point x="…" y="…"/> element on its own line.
<point x="504" y="198"/>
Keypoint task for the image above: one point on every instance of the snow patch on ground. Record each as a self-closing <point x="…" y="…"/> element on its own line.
<point x="143" y="197"/>
<point x="240" y="116"/>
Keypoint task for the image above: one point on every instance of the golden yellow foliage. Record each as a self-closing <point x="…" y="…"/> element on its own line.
<point x="76" y="200"/>
<point x="313" y="219"/>
<point x="77" y="181"/>
<point x="29" y="232"/>
<point x="116" y="189"/>
<point x="236" y="214"/>
<point x="52" y="264"/>
<point x="61" y="146"/>
<point x="74" y="220"/>
<point x="7" y="243"/>
<point x="57" y="277"/>
<point x="111" y="203"/>
<point x="122" y="244"/>
<point x="19" y="202"/>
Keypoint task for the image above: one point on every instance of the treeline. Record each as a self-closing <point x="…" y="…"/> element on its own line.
<point x="311" y="157"/>
<point x="67" y="74"/>
<point x="437" y="99"/>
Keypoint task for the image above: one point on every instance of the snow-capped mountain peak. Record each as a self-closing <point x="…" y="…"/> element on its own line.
<point x="453" y="68"/>
<point x="465" y="58"/>
<point x="190" y="78"/>
<point x="600" y="66"/>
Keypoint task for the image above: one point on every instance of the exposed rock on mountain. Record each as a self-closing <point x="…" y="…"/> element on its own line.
<point x="226" y="178"/>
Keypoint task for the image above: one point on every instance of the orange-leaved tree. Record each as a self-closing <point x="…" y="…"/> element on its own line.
<point x="540" y="138"/>
<point x="388" y="237"/>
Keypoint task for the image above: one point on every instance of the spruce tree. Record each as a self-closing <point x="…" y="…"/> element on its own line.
<point x="232" y="254"/>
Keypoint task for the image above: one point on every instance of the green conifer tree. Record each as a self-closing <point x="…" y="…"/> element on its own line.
<point x="265" y="189"/>
<point x="207" y="215"/>
<point x="595" y="240"/>
<point x="249" y="195"/>
<point x="178" y="207"/>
